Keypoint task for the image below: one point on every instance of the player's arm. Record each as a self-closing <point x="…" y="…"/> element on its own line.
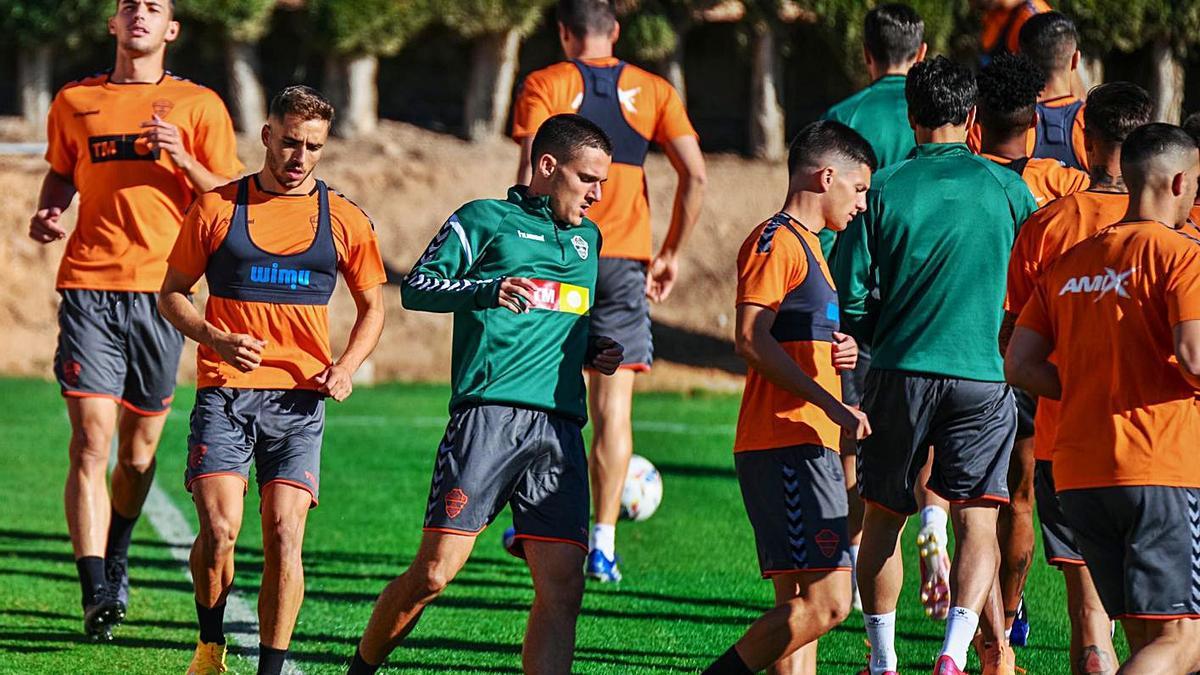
<point x="243" y="352"/>
<point x="685" y="156"/>
<point x="55" y="196"/>
<point x="1187" y="350"/>
<point x="337" y="379"/>
<point x="763" y="353"/>
<point x="1027" y="364"/>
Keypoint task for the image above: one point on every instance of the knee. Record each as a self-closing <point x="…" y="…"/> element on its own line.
<point x="284" y="538"/>
<point x="429" y="581"/>
<point x="564" y="593"/>
<point x="90" y="445"/>
<point x="218" y="538"/>
<point x="141" y="465"/>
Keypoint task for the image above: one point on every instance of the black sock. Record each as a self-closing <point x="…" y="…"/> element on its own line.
<point x="730" y="663"/>
<point x="270" y="660"/>
<point x="91" y="578"/>
<point x="212" y="623"/>
<point x="360" y="667"/>
<point x="120" y="531"/>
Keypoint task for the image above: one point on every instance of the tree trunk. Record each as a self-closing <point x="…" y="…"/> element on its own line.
<point x="1166" y="82"/>
<point x="490" y="85"/>
<point x="1091" y="70"/>
<point x="672" y="68"/>
<point x="351" y="85"/>
<point x="33" y="81"/>
<point x="766" y="114"/>
<point x="249" y="101"/>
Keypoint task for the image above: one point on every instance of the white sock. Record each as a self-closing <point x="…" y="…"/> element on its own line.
<point x="934" y="516"/>
<point x="853" y="570"/>
<point x="881" y="633"/>
<point x="604" y="539"/>
<point x="960" y="630"/>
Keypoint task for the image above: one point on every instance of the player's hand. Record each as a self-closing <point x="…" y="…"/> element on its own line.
<point x="44" y="227"/>
<point x="853" y="421"/>
<point x="660" y="278"/>
<point x="162" y="135"/>
<point x="845" y="352"/>
<point x="605" y="355"/>
<point x="335" y="382"/>
<point x="516" y="294"/>
<point x="239" y="350"/>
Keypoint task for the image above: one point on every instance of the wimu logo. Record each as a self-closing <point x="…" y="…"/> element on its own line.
<point x="279" y="276"/>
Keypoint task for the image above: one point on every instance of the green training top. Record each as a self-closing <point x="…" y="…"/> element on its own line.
<point x="534" y="359"/>
<point x="880" y="113"/>
<point x="921" y="273"/>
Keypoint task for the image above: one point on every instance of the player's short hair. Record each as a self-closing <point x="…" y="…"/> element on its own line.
<point x="819" y="142"/>
<point x="940" y="92"/>
<point x="1049" y="39"/>
<point x="893" y="33"/>
<point x="303" y="102"/>
<point x="1192" y="125"/>
<point x="587" y="17"/>
<point x="1155" y="147"/>
<point x="1115" y="109"/>
<point x="1008" y="93"/>
<point x="563" y="136"/>
<point x="170" y="5"/>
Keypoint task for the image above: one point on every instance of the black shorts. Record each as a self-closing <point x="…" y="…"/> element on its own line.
<point x="970" y="424"/>
<point x="493" y="455"/>
<point x="796" y="501"/>
<point x="621" y="310"/>
<point x="280" y="431"/>
<point x="114" y="344"/>
<point x="854" y="382"/>
<point x="1142" y="547"/>
<point x="1057" y="538"/>
<point x="1026" y="412"/>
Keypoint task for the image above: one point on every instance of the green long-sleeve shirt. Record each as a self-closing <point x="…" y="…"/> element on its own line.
<point x="921" y="273"/>
<point x="534" y="359"/>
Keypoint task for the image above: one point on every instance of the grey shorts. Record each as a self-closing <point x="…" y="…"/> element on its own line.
<point x="278" y="430"/>
<point x="854" y="382"/>
<point x="114" y="344"/>
<point x="1057" y="539"/>
<point x="1142" y="546"/>
<point x="532" y="460"/>
<point x="1026" y="412"/>
<point x="796" y="500"/>
<point x="970" y="424"/>
<point x="621" y="310"/>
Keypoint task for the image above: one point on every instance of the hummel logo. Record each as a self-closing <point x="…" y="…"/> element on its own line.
<point x="1111" y="280"/>
<point x="532" y="237"/>
<point x="85" y="113"/>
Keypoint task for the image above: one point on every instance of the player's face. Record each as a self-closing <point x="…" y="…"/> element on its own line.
<point x="294" y="147"/>
<point x="846" y="195"/>
<point x="143" y="26"/>
<point x="575" y="184"/>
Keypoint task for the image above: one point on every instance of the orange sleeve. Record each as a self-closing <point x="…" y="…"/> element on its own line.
<point x="1035" y="315"/>
<point x="533" y="106"/>
<point x="764" y="278"/>
<point x="1183" y="285"/>
<point x="195" y="244"/>
<point x="1024" y="265"/>
<point x="673" y="120"/>
<point x="358" y="251"/>
<point x="60" y="150"/>
<point x="216" y="143"/>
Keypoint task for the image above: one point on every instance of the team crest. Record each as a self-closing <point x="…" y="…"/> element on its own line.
<point x="196" y="455"/>
<point x="162" y="106"/>
<point x="456" y="501"/>
<point x="581" y="246"/>
<point x="827" y="540"/>
<point x="70" y="372"/>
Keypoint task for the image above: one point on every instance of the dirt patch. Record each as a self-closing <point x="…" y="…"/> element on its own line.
<point x="409" y="180"/>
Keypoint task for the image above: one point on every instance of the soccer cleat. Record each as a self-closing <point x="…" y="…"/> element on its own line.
<point x="98" y="620"/>
<point x="116" y="573"/>
<point x="935" y="572"/>
<point x="509" y="541"/>
<point x="209" y="659"/>
<point x="601" y="567"/>
<point x="998" y="659"/>
<point x="946" y="666"/>
<point x="1019" y="635"/>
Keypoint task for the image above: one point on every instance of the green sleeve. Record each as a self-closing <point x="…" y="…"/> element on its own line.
<point x="828" y="238"/>
<point x="853" y="270"/>
<point x="444" y="279"/>
<point x="1023" y="203"/>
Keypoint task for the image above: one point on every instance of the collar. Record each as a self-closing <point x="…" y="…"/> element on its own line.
<point x="941" y="150"/>
<point x="537" y="206"/>
<point x="892" y="79"/>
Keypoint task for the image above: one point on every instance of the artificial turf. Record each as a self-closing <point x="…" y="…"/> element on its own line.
<point x="691" y="578"/>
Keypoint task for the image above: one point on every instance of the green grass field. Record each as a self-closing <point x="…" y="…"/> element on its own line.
<point x="691" y="582"/>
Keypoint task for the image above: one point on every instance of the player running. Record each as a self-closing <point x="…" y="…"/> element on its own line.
<point x="633" y="107"/>
<point x="138" y="144"/>
<point x="1052" y="43"/>
<point x="1114" y="111"/>
<point x="1124" y="466"/>
<point x="270" y="246"/>
<point x="936" y="233"/>
<point x="791" y="420"/>
<point x="519" y="276"/>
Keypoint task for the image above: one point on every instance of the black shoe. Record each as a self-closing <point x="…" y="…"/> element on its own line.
<point x="98" y="620"/>
<point x="116" y="574"/>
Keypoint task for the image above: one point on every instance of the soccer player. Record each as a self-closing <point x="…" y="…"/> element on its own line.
<point x="519" y="276"/>
<point x="936" y="234"/>
<point x="1052" y="43"/>
<point x="270" y="246"/>
<point x="893" y="40"/>
<point x="137" y="144"/>
<point x="633" y="107"/>
<point x="1001" y="25"/>
<point x="1114" y="111"/>
<point x="791" y="419"/>
<point x="1128" y="298"/>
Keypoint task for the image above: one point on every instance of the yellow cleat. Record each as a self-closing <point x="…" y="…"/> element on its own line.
<point x="208" y="659"/>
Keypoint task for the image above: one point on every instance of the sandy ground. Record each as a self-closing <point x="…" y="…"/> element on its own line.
<point x="409" y="180"/>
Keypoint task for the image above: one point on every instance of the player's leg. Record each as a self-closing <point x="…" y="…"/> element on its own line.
<point x="1162" y="646"/>
<point x="880" y="579"/>
<point x="610" y="401"/>
<point x="557" y="570"/>
<point x="933" y="545"/>
<point x="807" y="606"/>
<point x="972" y="578"/>
<point x="284" y="514"/>
<point x="853" y="387"/>
<point x="219" y="506"/>
<point x="1016" y="523"/>
<point x="1091" y="630"/>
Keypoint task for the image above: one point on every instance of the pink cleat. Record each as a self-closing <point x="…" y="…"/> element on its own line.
<point x="946" y="666"/>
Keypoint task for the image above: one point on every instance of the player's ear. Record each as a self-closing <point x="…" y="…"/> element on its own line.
<point x="172" y="31"/>
<point x="1179" y="184"/>
<point x="615" y="33"/>
<point x="564" y="34"/>
<point x="825" y="179"/>
<point x="921" y="52"/>
<point x="1075" y="58"/>
<point x="547" y="164"/>
<point x="112" y="25"/>
<point x="266" y="135"/>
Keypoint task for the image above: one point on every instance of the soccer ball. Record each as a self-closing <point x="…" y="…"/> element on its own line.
<point x="643" y="490"/>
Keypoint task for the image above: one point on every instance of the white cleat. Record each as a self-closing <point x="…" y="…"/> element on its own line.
<point x="935" y="572"/>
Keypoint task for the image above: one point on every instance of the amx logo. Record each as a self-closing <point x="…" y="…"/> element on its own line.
<point x="279" y="276"/>
<point x="1111" y="280"/>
